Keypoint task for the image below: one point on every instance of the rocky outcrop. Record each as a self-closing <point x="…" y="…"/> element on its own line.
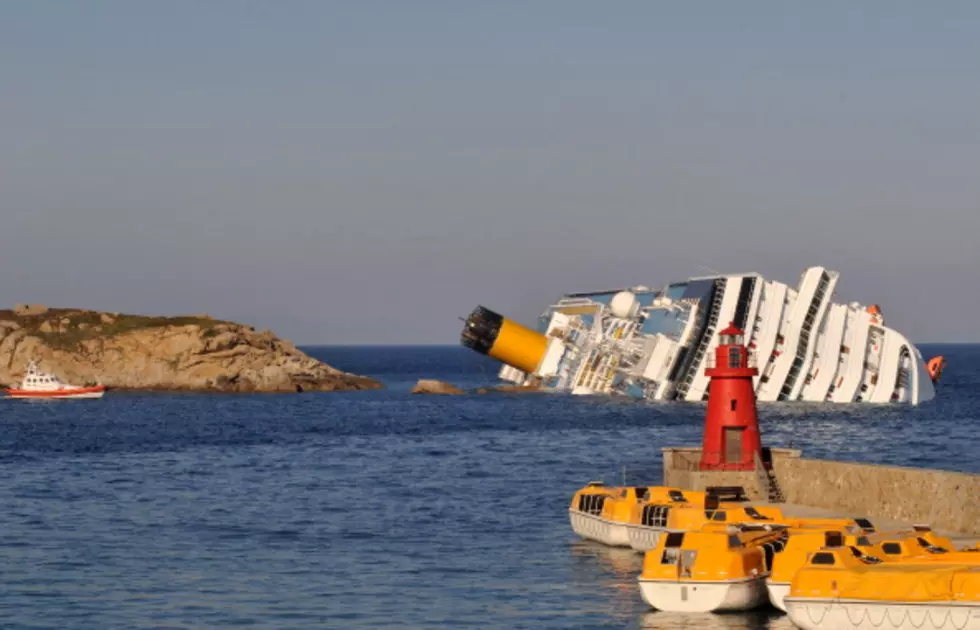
<point x="509" y="389"/>
<point x="430" y="386"/>
<point x="161" y="353"/>
<point x="30" y="309"/>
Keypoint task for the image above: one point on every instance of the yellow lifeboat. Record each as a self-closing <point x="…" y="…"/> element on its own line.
<point x="649" y="521"/>
<point x="636" y="516"/>
<point x="601" y="513"/>
<point x="799" y="547"/>
<point x="837" y="590"/>
<point x="920" y="544"/>
<point x="709" y="571"/>
<point x="585" y="512"/>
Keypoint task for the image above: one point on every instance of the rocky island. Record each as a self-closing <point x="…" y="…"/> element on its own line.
<point x="191" y="353"/>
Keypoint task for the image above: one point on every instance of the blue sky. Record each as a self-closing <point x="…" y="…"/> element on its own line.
<point x="366" y="172"/>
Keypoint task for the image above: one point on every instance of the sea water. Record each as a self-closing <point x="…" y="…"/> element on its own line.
<point x="376" y="508"/>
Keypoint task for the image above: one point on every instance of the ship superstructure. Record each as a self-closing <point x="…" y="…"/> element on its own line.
<point x="655" y="344"/>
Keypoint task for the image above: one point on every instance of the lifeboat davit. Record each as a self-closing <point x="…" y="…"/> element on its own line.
<point x="45" y="386"/>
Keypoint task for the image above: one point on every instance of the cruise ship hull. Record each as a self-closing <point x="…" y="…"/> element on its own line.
<point x="656" y="344"/>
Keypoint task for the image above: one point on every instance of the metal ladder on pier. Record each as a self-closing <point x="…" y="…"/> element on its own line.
<point x="767" y="482"/>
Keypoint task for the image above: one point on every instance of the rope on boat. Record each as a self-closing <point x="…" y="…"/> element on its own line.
<point x="906" y="616"/>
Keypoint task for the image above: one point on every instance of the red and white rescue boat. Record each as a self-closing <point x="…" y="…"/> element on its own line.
<point x="41" y="385"/>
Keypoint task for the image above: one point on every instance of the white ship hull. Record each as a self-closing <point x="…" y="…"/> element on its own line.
<point x="591" y="527"/>
<point x="655" y="344"/>
<point x="702" y="597"/>
<point x="814" y="614"/>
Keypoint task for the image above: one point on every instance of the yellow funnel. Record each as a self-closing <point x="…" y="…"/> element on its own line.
<point x="496" y="336"/>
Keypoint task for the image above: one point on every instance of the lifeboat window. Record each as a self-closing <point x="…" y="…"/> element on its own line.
<point x="928" y="546"/>
<point x="833" y="539"/>
<point x="891" y="548"/>
<point x="734" y="404"/>
<point x="674" y="539"/>
<point x="865" y="524"/>
<point x="676" y="495"/>
<point x="863" y="557"/>
<point x="591" y="503"/>
<point x="755" y="514"/>
<point x="823" y="558"/>
<point x="863" y="542"/>
<point x="720" y="515"/>
<point x="655" y="515"/>
<point x="641" y="493"/>
<point x="734" y="541"/>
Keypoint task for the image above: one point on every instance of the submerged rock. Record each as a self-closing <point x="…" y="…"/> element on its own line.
<point x="195" y="353"/>
<point x="431" y="386"/>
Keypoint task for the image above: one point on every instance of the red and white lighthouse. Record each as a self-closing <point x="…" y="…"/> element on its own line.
<point x="731" y="427"/>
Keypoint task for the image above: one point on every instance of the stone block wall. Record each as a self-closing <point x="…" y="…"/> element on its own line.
<point x="948" y="501"/>
<point x="945" y="500"/>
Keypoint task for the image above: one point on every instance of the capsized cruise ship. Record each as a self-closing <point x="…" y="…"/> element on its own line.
<point x="655" y="344"/>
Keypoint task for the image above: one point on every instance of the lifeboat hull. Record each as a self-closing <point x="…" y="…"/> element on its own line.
<point x="778" y="591"/>
<point x="76" y="393"/>
<point x="591" y="527"/>
<point x="826" y="614"/>
<point x="703" y="597"/>
<point x="643" y="538"/>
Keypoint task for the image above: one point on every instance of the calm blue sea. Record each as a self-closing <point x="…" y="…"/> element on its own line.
<point x="374" y="509"/>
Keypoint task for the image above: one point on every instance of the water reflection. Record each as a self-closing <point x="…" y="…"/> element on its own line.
<point x="615" y="583"/>
<point x="759" y="619"/>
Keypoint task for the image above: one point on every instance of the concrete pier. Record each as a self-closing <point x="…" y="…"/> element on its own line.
<point x="947" y="501"/>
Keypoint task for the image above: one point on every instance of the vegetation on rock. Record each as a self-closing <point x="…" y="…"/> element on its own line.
<point x="193" y="352"/>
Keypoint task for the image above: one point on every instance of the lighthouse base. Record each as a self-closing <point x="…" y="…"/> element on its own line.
<point x="682" y="469"/>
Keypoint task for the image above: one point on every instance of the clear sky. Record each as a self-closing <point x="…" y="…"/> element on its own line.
<point x="366" y="172"/>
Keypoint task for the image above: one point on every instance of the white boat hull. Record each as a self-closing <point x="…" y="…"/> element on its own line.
<point x="778" y="591"/>
<point x="591" y="527"/>
<point x="817" y="614"/>
<point x="643" y="538"/>
<point x="693" y="596"/>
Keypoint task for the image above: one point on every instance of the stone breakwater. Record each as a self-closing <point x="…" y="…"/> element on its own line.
<point x="944" y="499"/>
<point x="193" y="353"/>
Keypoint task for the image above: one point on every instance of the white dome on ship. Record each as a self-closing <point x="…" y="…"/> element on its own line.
<point x="623" y="305"/>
